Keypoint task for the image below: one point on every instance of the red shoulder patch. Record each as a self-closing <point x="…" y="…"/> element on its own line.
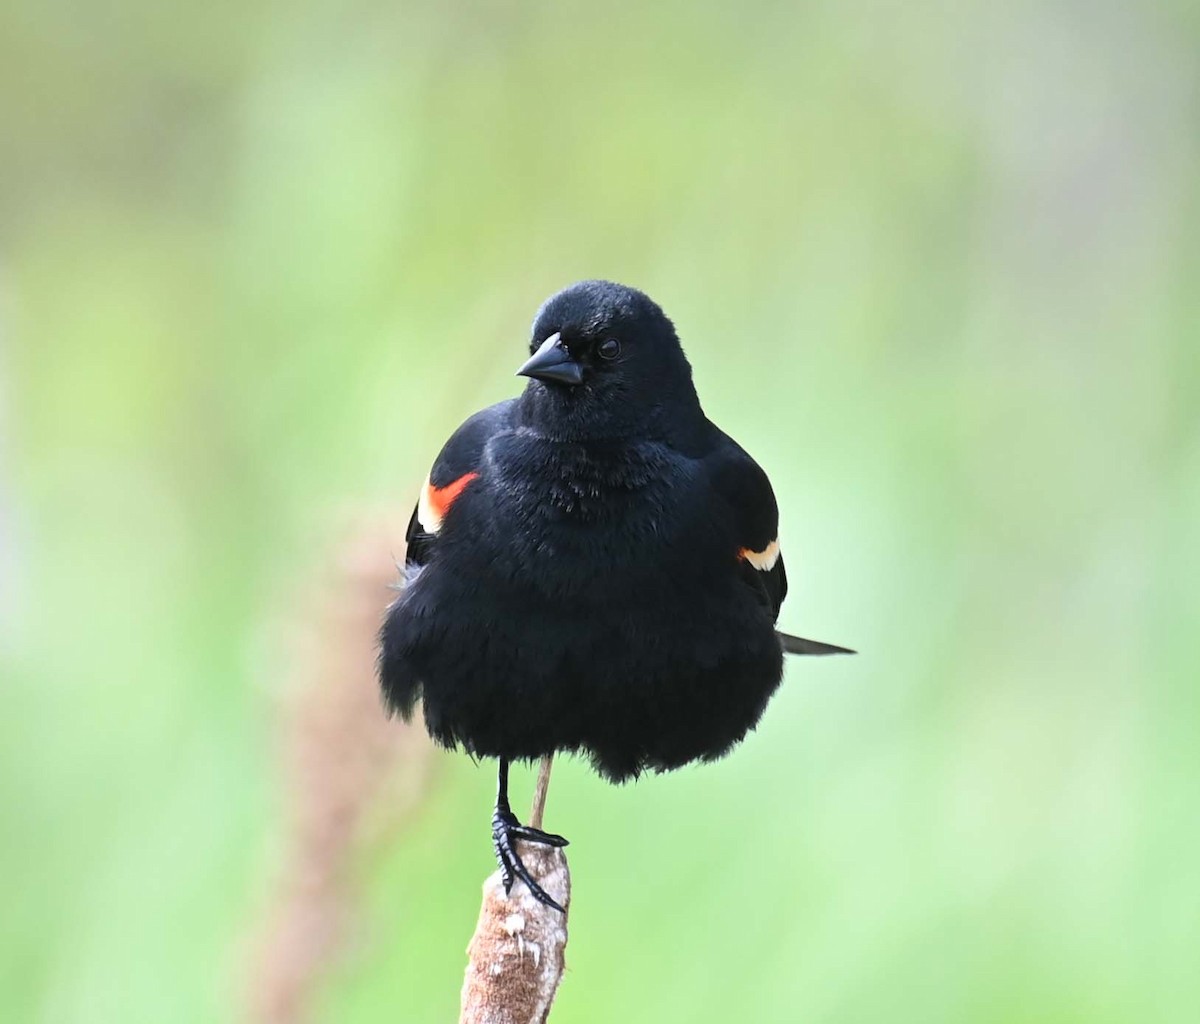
<point x="436" y="501"/>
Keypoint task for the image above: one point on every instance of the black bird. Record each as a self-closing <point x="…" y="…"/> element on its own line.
<point x="591" y="567"/>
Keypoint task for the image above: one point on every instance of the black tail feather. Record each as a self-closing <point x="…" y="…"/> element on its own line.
<point x="798" y="645"/>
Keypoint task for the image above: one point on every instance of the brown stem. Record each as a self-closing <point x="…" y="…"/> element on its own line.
<point x="516" y="955"/>
<point x="539" y="793"/>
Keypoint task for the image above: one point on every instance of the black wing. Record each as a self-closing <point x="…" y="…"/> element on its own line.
<point x="745" y="487"/>
<point x="746" y="490"/>
<point x="459" y="463"/>
<point x="455" y="467"/>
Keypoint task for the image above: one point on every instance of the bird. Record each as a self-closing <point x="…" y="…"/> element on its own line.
<point x="592" y="567"/>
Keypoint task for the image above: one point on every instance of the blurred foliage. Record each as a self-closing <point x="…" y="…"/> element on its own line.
<point x="936" y="267"/>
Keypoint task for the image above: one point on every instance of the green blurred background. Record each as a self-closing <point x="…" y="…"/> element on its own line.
<point x="936" y="267"/>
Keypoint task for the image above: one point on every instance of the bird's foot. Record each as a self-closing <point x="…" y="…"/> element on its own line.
<point x="506" y="830"/>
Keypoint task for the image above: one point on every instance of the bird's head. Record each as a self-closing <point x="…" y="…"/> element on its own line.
<point x="606" y="362"/>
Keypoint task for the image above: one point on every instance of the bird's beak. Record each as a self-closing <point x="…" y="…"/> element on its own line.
<point x="552" y="362"/>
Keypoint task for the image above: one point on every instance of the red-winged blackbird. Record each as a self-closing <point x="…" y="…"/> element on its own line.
<point x="592" y="566"/>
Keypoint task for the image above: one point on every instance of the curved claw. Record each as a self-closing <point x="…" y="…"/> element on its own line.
<point x="506" y="829"/>
<point x="536" y="835"/>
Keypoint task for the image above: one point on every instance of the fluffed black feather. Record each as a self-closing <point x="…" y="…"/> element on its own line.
<point x="588" y="586"/>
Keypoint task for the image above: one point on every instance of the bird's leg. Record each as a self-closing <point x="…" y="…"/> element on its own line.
<point x="505" y="831"/>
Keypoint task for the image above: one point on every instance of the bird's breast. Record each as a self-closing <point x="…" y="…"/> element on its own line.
<point x="579" y="484"/>
<point x="570" y="519"/>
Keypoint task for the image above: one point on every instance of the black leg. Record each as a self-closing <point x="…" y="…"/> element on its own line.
<point x="505" y="831"/>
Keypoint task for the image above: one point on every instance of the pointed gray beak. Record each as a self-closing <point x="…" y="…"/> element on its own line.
<point x="552" y="362"/>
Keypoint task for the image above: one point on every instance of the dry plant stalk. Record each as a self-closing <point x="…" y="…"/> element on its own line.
<point x="347" y="771"/>
<point x="516" y="956"/>
<point x="538" y="810"/>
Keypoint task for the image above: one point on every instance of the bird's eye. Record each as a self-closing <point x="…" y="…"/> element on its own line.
<point x="610" y="348"/>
